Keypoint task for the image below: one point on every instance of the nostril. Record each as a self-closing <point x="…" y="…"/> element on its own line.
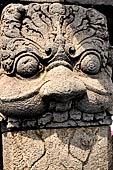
<point x="70" y="50"/>
<point x="48" y="51"/>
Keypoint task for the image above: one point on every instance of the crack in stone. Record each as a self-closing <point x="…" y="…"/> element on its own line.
<point x="71" y="137"/>
<point x="76" y="158"/>
<point x="63" y="166"/>
<point x="47" y="168"/>
<point x="87" y="159"/>
<point x="69" y="149"/>
<point x="33" y="164"/>
<point x="40" y="137"/>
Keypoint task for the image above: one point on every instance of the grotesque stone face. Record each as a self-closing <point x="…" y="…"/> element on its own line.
<point x="54" y="59"/>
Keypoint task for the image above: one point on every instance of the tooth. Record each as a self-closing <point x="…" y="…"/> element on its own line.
<point x="60" y="107"/>
<point x="52" y="106"/>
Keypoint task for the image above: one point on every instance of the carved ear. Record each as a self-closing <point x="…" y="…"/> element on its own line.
<point x="110" y="58"/>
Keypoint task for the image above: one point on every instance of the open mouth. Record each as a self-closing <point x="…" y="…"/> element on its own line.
<point x="61" y="114"/>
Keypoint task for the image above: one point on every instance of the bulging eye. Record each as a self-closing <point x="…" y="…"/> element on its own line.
<point x="27" y="66"/>
<point x="90" y="64"/>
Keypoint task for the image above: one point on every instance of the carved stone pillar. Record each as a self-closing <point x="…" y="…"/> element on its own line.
<point x="60" y="149"/>
<point x="56" y="92"/>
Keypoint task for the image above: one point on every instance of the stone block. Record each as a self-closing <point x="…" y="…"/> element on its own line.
<point x="60" y="149"/>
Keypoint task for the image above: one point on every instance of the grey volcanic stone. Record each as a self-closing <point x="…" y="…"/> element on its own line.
<point x="90" y="2"/>
<point x="45" y="119"/>
<point x="60" y="117"/>
<point x="88" y="117"/>
<point x="75" y="115"/>
<point x="100" y="116"/>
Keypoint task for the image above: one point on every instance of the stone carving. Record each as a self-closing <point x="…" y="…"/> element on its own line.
<point x="55" y="65"/>
<point x="62" y="149"/>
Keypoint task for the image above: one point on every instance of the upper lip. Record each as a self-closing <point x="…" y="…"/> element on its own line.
<point x="35" y="92"/>
<point x="19" y="98"/>
<point x="24" y="96"/>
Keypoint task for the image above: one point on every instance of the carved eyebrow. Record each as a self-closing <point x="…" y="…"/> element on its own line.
<point x="92" y="40"/>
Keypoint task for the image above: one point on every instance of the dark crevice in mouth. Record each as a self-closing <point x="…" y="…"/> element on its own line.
<point x="60" y="107"/>
<point x="50" y="120"/>
<point x="59" y="115"/>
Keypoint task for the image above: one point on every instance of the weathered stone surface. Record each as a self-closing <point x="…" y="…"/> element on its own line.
<point x="83" y="2"/>
<point x="60" y="149"/>
<point x="55" y="72"/>
<point x="72" y="118"/>
<point x="55" y="60"/>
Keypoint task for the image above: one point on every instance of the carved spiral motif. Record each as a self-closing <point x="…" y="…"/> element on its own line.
<point x="90" y="64"/>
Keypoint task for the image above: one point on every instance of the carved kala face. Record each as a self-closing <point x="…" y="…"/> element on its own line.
<point x="54" y="58"/>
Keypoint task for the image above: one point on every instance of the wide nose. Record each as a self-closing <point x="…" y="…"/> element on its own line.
<point x="61" y="85"/>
